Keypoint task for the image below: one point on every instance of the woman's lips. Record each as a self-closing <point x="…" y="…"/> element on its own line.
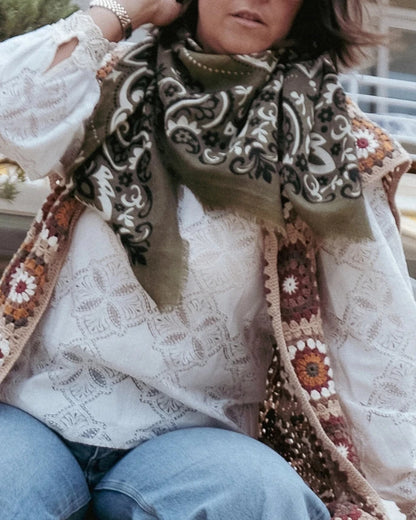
<point x="248" y="18"/>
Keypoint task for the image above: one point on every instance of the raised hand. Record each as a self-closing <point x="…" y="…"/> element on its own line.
<point x="156" y="12"/>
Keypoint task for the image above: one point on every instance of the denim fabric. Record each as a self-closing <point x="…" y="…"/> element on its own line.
<point x="40" y="478"/>
<point x="191" y="474"/>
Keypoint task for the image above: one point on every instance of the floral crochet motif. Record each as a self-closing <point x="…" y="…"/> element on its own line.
<point x="311" y="365"/>
<point x="22" y="285"/>
<point x="366" y="143"/>
<point x="28" y="281"/>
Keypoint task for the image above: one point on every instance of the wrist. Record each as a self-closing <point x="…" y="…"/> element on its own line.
<point x="108" y="23"/>
<point x="116" y="21"/>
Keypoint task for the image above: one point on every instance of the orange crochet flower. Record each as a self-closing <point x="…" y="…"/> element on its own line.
<point x="311" y="369"/>
<point x="311" y="364"/>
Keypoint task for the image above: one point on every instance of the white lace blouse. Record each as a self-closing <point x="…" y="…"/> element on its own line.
<point x="105" y="367"/>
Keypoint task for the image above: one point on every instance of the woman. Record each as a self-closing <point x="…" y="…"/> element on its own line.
<point x="210" y="157"/>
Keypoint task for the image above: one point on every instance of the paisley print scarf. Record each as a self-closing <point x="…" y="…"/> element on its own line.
<point x="239" y="131"/>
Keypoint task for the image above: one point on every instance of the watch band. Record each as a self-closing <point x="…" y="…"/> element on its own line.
<point x="119" y="11"/>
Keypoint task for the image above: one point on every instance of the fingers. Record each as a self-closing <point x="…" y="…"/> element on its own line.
<point x="168" y="11"/>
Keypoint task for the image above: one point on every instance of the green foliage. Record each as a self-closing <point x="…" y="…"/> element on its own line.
<point x="8" y="192"/>
<point x="19" y="16"/>
<point x="11" y="176"/>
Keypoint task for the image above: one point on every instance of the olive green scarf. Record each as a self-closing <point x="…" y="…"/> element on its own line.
<point x="239" y="131"/>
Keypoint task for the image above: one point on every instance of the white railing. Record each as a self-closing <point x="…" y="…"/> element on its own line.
<point x="389" y="102"/>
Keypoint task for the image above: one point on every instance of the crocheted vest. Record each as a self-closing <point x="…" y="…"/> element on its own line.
<point x="301" y="417"/>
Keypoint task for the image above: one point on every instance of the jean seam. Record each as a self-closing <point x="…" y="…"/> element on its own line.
<point x="67" y="513"/>
<point x="89" y="468"/>
<point x="131" y="492"/>
<point x="77" y="504"/>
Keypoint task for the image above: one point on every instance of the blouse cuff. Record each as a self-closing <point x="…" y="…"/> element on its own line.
<point x="92" y="46"/>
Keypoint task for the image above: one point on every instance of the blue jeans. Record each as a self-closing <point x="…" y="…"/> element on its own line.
<point x="190" y="474"/>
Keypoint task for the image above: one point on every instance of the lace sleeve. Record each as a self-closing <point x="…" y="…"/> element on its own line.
<point x="369" y="321"/>
<point x="42" y="109"/>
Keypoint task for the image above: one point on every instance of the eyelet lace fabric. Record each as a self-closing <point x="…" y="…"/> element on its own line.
<point x="103" y="341"/>
<point x="92" y="45"/>
<point x="41" y="104"/>
<point x="369" y="322"/>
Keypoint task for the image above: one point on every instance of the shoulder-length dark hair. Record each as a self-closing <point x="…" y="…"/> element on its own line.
<point x="332" y="26"/>
<point x="336" y="27"/>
